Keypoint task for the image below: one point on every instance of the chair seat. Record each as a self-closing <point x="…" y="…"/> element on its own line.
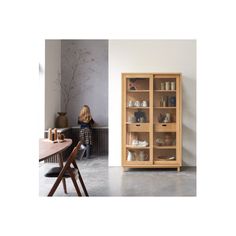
<point x="55" y="171"/>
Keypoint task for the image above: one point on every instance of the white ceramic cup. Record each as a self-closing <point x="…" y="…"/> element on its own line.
<point x="130" y="156"/>
<point x="130" y="104"/>
<point x="172" y="85"/>
<point x="142" y="119"/>
<point x="142" y="156"/>
<point x="162" y="86"/>
<point x="144" y="103"/>
<point x="167" y="85"/>
<point x="167" y="117"/>
<point x="137" y="104"/>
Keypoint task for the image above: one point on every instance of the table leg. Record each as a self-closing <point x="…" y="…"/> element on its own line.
<point x="60" y="158"/>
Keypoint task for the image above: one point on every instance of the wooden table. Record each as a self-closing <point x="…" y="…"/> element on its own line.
<point x="48" y="149"/>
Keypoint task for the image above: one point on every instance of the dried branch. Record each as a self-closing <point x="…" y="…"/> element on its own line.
<point x="67" y="87"/>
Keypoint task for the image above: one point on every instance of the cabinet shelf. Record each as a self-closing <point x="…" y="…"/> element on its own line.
<point x="164" y="161"/>
<point x="136" y="147"/>
<point x="164" y="107"/>
<point x="137" y="108"/>
<point x="165" y="91"/>
<point x="164" y="147"/>
<point x="138" y="91"/>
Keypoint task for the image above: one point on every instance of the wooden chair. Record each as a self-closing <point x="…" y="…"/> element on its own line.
<point x="67" y="171"/>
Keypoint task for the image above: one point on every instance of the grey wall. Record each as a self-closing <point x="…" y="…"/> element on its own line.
<point x="88" y="59"/>
<point x="52" y="75"/>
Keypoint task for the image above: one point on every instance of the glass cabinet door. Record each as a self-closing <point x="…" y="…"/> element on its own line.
<point x="164" y="120"/>
<point x="137" y="120"/>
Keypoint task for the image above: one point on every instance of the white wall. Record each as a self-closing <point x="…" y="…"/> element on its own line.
<point x="52" y="73"/>
<point x="153" y="56"/>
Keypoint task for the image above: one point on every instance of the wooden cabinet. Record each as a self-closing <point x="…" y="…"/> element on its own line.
<point x="151" y="120"/>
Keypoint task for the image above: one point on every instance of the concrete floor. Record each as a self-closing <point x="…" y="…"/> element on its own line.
<point x="102" y="180"/>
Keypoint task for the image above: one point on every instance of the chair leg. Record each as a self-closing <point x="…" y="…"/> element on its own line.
<point x="81" y="179"/>
<point x="82" y="184"/>
<point x="60" y="158"/>
<point x="64" y="185"/>
<point x="57" y="182"/>
<point x="75" y="183"/>
<point x="54" y="187"/>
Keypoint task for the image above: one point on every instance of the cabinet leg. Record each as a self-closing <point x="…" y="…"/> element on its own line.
<point x="125" y="169"/>
<point x="178" y="169"/>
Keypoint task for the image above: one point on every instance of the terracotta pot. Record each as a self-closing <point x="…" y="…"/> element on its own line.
<point x="61" y="120"/>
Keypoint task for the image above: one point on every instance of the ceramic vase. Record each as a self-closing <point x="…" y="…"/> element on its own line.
<point x="62" y="120"/>
<point x="172" y="85"/>
<point x="130" y="156"/>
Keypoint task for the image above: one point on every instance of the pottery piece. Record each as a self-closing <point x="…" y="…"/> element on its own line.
<point x="137" y="103"/>
<point x="144" y="103"/>
<point x="130" y="104"/>
<point x="62" y="120"/>
<point x="142" y="156"/>
<point x="130" y="156"/>
<point x="167" y="86"/>
<point x="162" y="86"/>
<point x="172" y="86"/>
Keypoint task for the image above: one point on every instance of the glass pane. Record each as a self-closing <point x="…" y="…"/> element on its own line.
<point x="164" y="155"/>
<point x="137" y="155"/>
<point x="137" y="115"/>
<point x="163" y="139"/>
<point x="138" y="140"/>
<point x="135" y="84"/>
<point x="165" y="84"/>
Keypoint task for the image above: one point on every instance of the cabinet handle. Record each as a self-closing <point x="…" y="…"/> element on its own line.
<point x="138" y="125"/>
<point x="163" y="125"/>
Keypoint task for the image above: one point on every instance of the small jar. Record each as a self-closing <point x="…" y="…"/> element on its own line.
<point x="162" y="86"/>
<point x="164" y="103"/>
<point x="167" y="86"/>
<point x="130" y="103"/>
<point x="168" y="119"/>
<point x="172" y="85"/>
<point x="173" y="101"/>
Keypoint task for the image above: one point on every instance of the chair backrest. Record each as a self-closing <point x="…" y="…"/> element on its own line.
<point x="78" y="145"/>
<point x="72" y="156"/>
<point x="80" y="150"/>
<point x="80" y="153"/>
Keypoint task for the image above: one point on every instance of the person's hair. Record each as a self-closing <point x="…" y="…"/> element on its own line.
<point x="85" y="115"/>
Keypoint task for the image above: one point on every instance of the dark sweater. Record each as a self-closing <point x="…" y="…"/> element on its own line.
<point x="84" y="125"/>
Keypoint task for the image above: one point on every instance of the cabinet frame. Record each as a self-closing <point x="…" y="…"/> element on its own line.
<point x="154" y="128"/>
